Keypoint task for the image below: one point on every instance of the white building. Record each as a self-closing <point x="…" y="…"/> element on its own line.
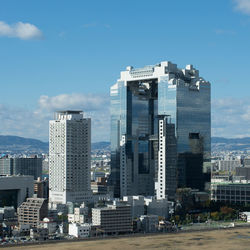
<point x="79" y="216"/>
<point x="79" y="230"/>
<point x="165" y="185"/>
<point x="69" y="158"/>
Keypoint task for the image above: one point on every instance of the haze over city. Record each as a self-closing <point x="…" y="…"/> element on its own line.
<point x="65" y="55"/>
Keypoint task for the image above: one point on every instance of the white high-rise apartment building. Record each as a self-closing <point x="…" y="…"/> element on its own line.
<point x="69" y="158"/>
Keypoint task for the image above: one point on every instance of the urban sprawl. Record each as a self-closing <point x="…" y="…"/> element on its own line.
<point x="157" y="175"/>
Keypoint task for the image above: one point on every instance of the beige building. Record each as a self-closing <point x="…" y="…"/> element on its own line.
<point x="32" y="211"/>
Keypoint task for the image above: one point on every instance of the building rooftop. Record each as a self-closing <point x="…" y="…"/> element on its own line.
<point x="68" y="112"/>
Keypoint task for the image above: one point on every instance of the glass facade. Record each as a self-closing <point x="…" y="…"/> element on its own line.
<point x="136" y="101"/>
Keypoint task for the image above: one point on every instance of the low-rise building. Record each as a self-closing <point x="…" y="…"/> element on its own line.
<point x="228" y="165"/>
<point x="157" y="207"/>
<point x="50" y="224"/>
<point x="39" y="234"/>
<point x="137" y="205"/>
<point x="32" y="211"/>
<point x="7" y="212"/>
<point x="113" y="219"/>
<point x="79" y="230"/>
<point x="149" y="223"/>
<point x="79" y="216"/>
<point x="235" y="191"/>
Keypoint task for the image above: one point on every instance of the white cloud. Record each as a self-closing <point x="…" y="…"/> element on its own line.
<point x="242" y="6"/>
<point x="231" y="117"/>
<point x="73" y="101"/>
<point x="94" y="106"/>
<point x="224" y="32"/>
<point x="35" y="123"/>
<point x="24" y="31"/>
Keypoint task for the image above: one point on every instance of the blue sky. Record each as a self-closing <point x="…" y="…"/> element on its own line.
<point x="66" y="54"/>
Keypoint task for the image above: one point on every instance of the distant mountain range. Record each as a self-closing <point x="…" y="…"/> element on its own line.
<point x="16" y="144"/>
<point x="220" y="143"/>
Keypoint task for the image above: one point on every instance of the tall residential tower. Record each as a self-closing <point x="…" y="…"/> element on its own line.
<point x="69" y="158"/>
<point x="139" y="100"/>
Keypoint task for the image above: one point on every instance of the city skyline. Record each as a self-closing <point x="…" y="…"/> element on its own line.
<point x="69" y="59"/>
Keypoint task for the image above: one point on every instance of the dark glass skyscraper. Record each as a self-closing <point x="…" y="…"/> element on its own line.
<point x="138" y="99"/>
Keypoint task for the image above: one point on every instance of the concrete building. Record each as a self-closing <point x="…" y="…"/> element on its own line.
<point x="99" y="186"/>
<point x="7" y="213"/>
<point x="21" y="166"/>
<point x="79" y="230"/>
<point x="137" y="205"/>
<point x="49" y="224"/>
<point x="137" y="99"/>
<point x="39" y="234"/>
<point x="79" y="216"/>
<point x="41" y="188"/>
<point x="243" y="171"/>
<point x="149" y="223"/>
<point x="157" y="207"/>
<point x="235" y="191"/>
<point x="32" y="211"/>
<point x="113" y="219"/>
<point x="228" y="165"/>
<point x="69" y="158"/>
<point x="15" y="189"/>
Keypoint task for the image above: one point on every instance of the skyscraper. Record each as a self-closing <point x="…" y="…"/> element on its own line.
<point x="69" y="157"/>
<point x="138" y="99"/>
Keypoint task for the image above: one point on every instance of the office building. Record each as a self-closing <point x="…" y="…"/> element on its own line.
<point x="149" y="223"/>
<point x="32" y="211"/>
<point x="15" y="189"/>
<point x="69" y="158"/>
<point x="113" y="219"/>
<point x="230" y="191"/>
<point x="243" y="171"/>
<point x="138" y="100"/>
<point x="159" y="207"/>
<point x="21" y="166"/>
<point x="229" y="165"/>
<point x="41" y="188"/>
<point x="137" y="205"/>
